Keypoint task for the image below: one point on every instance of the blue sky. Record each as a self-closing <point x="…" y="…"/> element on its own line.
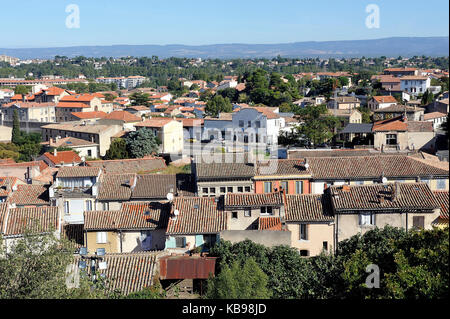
<point x="41" y="23"/>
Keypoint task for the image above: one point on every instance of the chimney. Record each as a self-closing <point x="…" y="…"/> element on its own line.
<point x="55" y="152"/>
<point x="396" y="191"/>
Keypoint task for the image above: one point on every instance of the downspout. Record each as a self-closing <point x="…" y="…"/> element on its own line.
<point x="407" y="222"/>
<point x="120" y="237"/>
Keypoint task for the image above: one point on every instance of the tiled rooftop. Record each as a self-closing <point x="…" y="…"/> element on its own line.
<point x="253" y="200"/>
<point x="308" y="207"/>
<point x="399" y="196"/>
<point x="197" y="215"/>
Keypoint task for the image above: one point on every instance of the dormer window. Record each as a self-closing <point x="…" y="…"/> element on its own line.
<point x="266" y="210"/>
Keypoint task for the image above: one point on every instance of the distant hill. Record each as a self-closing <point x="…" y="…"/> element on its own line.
<point x="392" y="47"/>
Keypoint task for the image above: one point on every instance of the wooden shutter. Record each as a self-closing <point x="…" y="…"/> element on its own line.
<point x="419" y="222"/>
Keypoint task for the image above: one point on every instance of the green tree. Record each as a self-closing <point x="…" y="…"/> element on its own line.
<point x="217" y="105"/>
<point x="117" y="150"/>
<point x="242" y="281"/>
<point x="16" y="133"/>
<point x="35" y="267"/>
<point x="427" y="98"/>
<point x="139" y="98"/>
<point x="22" y="89"/>
<point x="317" y="126"/>
<point x="366" y="116"/>
<point x="141" y="143"/>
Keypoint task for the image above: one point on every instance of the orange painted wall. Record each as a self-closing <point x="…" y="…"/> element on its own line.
<point x="259" y="186"/>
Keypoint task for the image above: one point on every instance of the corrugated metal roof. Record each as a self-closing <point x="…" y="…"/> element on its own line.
<point x="186" y="267"/>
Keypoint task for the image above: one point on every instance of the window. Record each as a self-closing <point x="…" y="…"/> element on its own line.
<point x="285" y="186"/>
<point x="247" y="189"/>
<point x="180" y="242"/>
<point x="419" y="222"/>
<point x="299" y="187"/>
<point x="267" y="187"/>
<point x="247" y="212"/>
<point x="240" y="189"/>
<point x="222" y="189"/>
<point x="212" y="190"/>
<point x="241" y="123"/>
<point x="105" y="206"/>
<point x="230" y="189"/>
<point x="440" y="184"/>
<point x="304" y="253"/>
<point x="205" y="190"/>
<point x="101" y="237"/>
<point x="249" y="123"/>
<point x="325" y="245"/>
<point x="359" y="182"/>
<point x="258" y="124"/>
<point x="266" y="210"/>
<point x="88" y="205"/>
<point x="303" y="232"/>
<point x="66" y="207"/>
<point x="234" y="215"/>
<point x="89" y="153"/>
<point x="391" y="139"/>
<point x="366" y="219"/>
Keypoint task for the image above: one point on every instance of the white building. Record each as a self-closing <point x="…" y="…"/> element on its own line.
<point x="415" y="85"/>
<point x="437" y="118"/>
<point x="257" y="125"/>
<point x="125" y="82"/>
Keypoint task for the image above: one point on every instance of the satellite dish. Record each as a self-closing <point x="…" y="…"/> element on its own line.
<point x="306" y="165"/>
<point x="176" y="212"/>
<point x="384" y="180"/>
<point x="169" y="196"/>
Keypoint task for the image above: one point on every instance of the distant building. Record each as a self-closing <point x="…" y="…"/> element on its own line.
<point x="415" y="85"/>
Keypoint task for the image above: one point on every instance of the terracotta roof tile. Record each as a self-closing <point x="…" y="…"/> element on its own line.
<point x="36" y="219"/>
<point x="128" y="273"/>
<point x="89" y="115"/>
<point x="152" y="186"/>
<point x="65" y="157"/>
<point x="253" y="200"/>
<point x="269" y="223"/>
<point x="308" y="207"/>
<point x="116" y="186"/>
<point x="137" y="165"/>
<point x="197" y="215"/>
<point x="385" y="99"/>
<point x="282" y="167"/>
<point x="29" y="195"/>
<point x="398" y="196"/>
<point x="125" y="116"/>
<point x="370" y="167"/>
<point x="78" y="171"/>
<point x="138" y="215"/>
<point x="442" y="197"/>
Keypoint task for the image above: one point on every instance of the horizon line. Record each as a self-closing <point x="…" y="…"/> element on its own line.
<point x="212" y="44"/>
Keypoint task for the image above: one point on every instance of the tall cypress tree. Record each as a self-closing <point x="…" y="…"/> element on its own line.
<point x="16" y="134"/>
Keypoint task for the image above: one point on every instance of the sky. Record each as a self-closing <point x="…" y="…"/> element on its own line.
<point x="42" y="23"/>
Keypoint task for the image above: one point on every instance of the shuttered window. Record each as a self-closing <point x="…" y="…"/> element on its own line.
<point x="419" y="222"/>
<point x="101" y="237"/>
<point x="303" y="232"/>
